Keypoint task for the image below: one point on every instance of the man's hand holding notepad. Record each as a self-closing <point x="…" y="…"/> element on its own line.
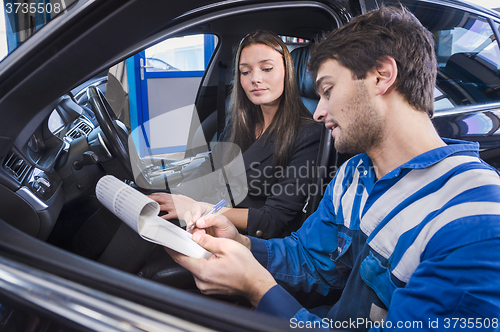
<point x="141" y="213"/>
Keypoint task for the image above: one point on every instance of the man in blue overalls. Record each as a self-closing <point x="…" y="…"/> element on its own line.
<point x="409" y="228"/>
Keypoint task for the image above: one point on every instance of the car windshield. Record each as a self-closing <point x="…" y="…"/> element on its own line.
<point x="23" y="18"/>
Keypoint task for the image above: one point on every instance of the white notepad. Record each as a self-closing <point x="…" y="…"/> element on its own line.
<point x="141" y="213"/>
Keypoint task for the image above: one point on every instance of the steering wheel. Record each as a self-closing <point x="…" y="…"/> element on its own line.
<point x="105" y="116"/>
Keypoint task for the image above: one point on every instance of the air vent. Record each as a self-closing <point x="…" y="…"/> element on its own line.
<point x="81" y="128"/>
<point x="16" y="166"/>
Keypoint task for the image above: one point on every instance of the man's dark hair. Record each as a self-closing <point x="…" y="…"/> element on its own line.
<point x="388" y="31"/>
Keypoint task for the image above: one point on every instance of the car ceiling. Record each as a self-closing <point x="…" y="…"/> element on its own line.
<point x="305" y="22"/>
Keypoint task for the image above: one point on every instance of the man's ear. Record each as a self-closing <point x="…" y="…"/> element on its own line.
<point x="386" y="73"/>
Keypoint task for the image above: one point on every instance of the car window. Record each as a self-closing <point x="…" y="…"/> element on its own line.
<point x="178" y="54"/>
<point x="153" y="93"/>
<point x="22" y="19"/>
<point x="468" y="55"/>
<point x="165" y="81"/>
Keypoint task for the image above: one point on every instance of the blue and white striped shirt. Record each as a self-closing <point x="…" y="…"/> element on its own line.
<point x="426" y="235"/>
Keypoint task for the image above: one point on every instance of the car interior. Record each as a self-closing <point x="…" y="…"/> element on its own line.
<point x="63" y="158"/>
<point x="52" y="161"/>
<point x="49" y="174"/>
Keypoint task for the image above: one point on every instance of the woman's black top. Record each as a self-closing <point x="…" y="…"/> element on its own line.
<point x="276" y="194"/>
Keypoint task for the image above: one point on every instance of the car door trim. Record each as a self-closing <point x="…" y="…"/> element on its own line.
<point x="88" y="307"/>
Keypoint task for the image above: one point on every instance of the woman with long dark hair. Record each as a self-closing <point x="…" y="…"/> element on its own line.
<point x="277" y="137"/>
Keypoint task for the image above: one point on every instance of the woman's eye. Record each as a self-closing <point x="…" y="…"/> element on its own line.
<point x="244" y="73"/>
<point x="267" y="69"/>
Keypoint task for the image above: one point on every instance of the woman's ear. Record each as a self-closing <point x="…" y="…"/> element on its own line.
<point x="386" y="73"/>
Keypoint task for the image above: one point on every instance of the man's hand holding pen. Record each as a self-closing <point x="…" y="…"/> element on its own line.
<point x="213" y="210"/>
<point x="216" y="225"/>
<point x="232" y="269"/>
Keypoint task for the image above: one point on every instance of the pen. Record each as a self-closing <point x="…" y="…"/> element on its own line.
<point x="216" y="208"/>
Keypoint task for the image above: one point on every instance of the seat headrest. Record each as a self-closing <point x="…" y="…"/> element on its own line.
<point x="300" y="56"/>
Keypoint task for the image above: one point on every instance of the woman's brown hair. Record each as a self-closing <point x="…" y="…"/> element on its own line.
<point x="245" y="116"/>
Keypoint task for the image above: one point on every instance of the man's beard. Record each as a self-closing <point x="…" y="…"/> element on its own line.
<point x="365" y="129"/>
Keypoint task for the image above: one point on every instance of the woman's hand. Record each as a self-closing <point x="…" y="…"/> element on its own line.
<point x="175" y="205"/>
<point x="231" y="270"/>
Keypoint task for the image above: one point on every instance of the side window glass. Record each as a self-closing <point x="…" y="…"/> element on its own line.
<point x="179" y="54"/>
<point x="467" y="53"/>
<point x="469" y="63"/>
<point x="294" y="41"/>
<point x="166" y="80"/>
<point x="153" y="93"/>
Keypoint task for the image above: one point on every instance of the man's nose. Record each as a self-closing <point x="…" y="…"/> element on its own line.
<point x="321" y="112"/>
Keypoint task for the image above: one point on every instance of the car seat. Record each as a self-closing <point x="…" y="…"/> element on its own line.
<point x="300" y="57"/>
<point x="326" y="155"/>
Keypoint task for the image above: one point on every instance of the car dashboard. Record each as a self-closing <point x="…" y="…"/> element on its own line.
<point x="34" y="175"/>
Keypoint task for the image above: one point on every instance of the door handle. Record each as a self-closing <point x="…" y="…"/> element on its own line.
<point x="141" y="65"/>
